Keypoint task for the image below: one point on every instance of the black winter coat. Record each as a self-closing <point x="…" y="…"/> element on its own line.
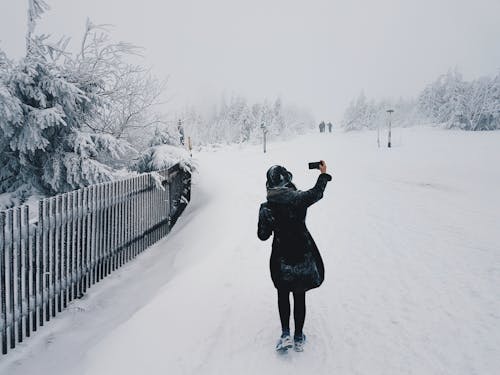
<point x="295" y="263"/>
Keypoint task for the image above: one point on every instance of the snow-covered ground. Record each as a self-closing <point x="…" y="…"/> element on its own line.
<point x="411" y="242"/>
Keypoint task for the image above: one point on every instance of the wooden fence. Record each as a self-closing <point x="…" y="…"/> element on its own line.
<point x="80" y="237"/>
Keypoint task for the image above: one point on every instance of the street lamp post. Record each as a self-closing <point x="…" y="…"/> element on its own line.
<point x="264" y="132"/>
<point x="181" y="132"/>
<point x="389" y="111"/>
<point x="378" y="134"/>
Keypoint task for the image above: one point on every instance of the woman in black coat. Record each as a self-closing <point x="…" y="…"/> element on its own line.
<point x="296" y="264"/>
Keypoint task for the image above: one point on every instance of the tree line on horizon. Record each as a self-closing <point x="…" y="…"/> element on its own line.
<point x="449" y="101"/>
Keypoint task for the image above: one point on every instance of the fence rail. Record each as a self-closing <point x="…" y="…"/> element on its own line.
<point x="80" y="237"/>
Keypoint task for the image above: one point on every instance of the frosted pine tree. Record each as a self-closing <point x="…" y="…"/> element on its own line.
<point x="164" y="135"/>
<point x="456" y="103"/>
<point x="36" y="8"/>
<point x="298" y="120"/>
<point x="194" y="125"/>
<point x="11" y="115"/>
<point x="483" y="106"/>
<point x="44" y="108"/>
<point x="356" y="114"/>
<point x="278" y="124"/>
<point x="246" y="123"/>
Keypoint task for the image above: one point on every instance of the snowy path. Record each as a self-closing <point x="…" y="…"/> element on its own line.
<point x="411" y="243"/>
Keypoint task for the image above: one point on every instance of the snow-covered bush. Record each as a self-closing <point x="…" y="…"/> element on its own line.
<point x="163" y="157"/>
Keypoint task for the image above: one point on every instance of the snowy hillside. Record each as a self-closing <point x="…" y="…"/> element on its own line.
<point x="411" y="242"/>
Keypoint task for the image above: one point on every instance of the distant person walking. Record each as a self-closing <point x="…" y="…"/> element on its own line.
<point x="330" y="127"/>
<point x="296" y="264"/>
<point x="322" y="127"/>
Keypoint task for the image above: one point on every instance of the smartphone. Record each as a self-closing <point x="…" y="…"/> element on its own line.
<point x="314" y="165"/>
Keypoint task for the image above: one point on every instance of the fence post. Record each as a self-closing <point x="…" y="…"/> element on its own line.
<point x="42" y="231"/>
<point x="114" y="227"/>
<point x="100" y="232"/>
<point x="128" y="215"/>
<point x="53" y="223"/>
<point x="144" y="228"/>
<point x="72" y="249"/>
<point x="159" y="197"/>
<point x="46" y="250"/>
<point x="78" y="254"/>
<point x="108" y="229"/>
<point x="68" y="213"/>
<point x="124" y="222"/>
<point x="104" y="224"/>
<point x="147" y="210"/>
<point x="18" y="262"/>
<point x="163" y="202"/>
<point x="34" y="270"/>
<point x="58" y="259"/>
<point x="168" y="199"/>
<point x="65" y="242"/>
<point x="74" y="243"/>
<point x="135" y="219"/>
<point x="93" y="263"/>
<point x="88" y="256"/>
<point x="83" y="285"/>
<point x="26" y="268"/>
<point x="86" y="239"/>
<point x="118" y="235"/>
<point x="140" y="214"/>
<point x="3" y="297"/>
<point x="10" y="249"/>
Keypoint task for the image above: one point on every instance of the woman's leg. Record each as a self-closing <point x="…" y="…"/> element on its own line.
<point x="299" y="312"/>
<point x="284" y="309"/>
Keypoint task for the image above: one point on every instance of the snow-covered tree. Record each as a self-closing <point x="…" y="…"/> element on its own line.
<point x="297" y="120"/>
<point x="164" y="135"/>
<point x="44" y="106"/>
<point x="131" y="94"/>
<point x="36" y="8"/>
<point x="460" y="104"/>
<point x="360" y="114"/>
<point x="440" y="99"/>
<point x="449" y="100"/>
<point x="236" y="121"/>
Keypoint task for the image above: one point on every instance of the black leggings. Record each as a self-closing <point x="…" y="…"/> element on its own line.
<point x="299" y="310"/>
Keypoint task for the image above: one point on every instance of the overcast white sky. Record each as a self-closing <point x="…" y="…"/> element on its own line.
<point x="316" y="53"/>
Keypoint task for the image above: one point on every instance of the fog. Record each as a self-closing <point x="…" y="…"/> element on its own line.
<point x="318" y="54"/>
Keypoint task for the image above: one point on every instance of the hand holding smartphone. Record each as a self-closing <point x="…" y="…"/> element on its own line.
<point x="321" y="165"/>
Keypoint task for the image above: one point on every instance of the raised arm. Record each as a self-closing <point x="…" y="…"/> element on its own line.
<point x="313" y="195"/>
<point x="266" y="222"/>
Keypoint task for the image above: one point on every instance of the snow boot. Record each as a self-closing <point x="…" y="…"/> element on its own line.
<point x="284" y="343"/>
<point x="299" y="342"/>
